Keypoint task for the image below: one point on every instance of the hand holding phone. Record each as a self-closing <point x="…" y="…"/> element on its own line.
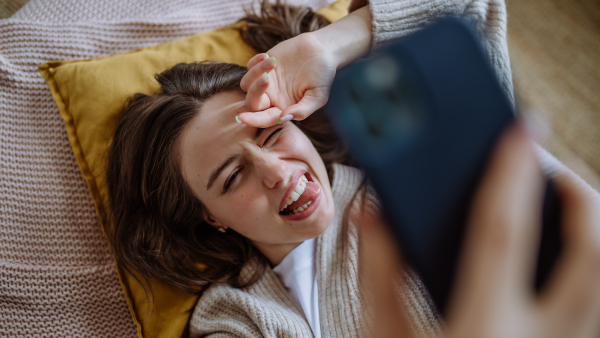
<point x="493" y="295"/>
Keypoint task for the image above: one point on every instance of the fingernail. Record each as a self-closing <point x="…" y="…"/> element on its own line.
<point x="264" y="56"/>
<point x="269" y="63"/>
<point x="286" y="118"/>
<point x="263" y="80"/>
<point x="237" y="119"/>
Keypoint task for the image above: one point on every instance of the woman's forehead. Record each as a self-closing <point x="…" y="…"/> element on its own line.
<point x="216" y="121"/>
<point x="219" y="111"/>
<point x="213" y="135"/>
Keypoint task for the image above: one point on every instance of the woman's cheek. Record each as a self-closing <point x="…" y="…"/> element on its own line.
<point x="243" y="204"/>
<point x="242" y="212"/>
<point x="290" y="136"/>
<point x="294" y="144"/>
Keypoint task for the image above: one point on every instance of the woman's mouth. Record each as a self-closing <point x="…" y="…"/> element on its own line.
<point x="301" y="199"/>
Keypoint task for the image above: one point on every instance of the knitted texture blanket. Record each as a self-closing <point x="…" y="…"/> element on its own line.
<point x="57" y="275"/>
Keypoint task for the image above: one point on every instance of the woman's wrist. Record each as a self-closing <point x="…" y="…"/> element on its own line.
<point x="348" y="38"/>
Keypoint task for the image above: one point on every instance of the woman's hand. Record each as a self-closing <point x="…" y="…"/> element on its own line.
<point x="306" y="67"/>
<point x="494" y="296"/>
<point x="299" y="84"/>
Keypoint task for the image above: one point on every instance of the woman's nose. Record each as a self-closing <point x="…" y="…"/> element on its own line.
<point x="274" y="171"/>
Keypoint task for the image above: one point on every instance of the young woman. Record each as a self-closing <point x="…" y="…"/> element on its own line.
<point x="264" y="211"/>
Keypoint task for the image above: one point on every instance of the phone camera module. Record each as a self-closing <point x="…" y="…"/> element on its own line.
<point x="386" y="100"/>
<point x="382" y="73"/>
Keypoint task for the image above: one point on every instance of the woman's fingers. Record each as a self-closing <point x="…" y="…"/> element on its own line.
<point x="262" y="119"/>
<point x="256" y="59"/>
<point x="572" y="297"/>
<point x="254" y="73"/>
<point x="499" y="252"/>
<point x="256" y="99"/>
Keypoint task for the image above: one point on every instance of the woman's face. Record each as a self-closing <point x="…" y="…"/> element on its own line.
<point x="245" y="176"/>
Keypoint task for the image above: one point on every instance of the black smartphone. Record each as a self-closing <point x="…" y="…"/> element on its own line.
<point x="422" y="117"/>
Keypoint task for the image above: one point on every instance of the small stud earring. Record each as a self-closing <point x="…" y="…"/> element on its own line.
<point x="221" y="229"/>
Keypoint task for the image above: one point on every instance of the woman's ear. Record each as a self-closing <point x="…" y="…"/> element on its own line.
<point x="213" y="222"/>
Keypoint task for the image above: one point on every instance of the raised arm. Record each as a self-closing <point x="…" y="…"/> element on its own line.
<point x="300" y="83"/>
<point x="306" y="66"/>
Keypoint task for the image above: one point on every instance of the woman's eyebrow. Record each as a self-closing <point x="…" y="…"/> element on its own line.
<point x="217" y="172"/>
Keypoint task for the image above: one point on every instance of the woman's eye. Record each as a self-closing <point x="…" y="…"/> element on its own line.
<point x="272" y="136"/>
<point x="230" y="180"/>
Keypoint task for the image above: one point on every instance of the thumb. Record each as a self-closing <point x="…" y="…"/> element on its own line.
<point x="310" y="102"/>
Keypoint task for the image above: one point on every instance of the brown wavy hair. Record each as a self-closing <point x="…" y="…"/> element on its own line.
<point x="156" y="225"/>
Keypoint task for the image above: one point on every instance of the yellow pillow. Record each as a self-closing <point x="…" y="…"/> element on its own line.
<point x="90" y="95"/>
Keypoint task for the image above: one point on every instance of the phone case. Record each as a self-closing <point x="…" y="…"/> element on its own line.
<point x="421" y="117"/>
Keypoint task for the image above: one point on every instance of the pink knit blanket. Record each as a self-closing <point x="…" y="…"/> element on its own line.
<point x="57" y="276"/>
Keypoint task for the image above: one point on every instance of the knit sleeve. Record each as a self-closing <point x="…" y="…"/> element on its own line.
<point x="218" y="314"/>
<point x="396" y="18"/>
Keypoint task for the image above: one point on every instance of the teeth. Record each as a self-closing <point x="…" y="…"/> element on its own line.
<point x="295" y="196"/>
<point x="298" y="191"/>
<point x="302" y="207"/>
